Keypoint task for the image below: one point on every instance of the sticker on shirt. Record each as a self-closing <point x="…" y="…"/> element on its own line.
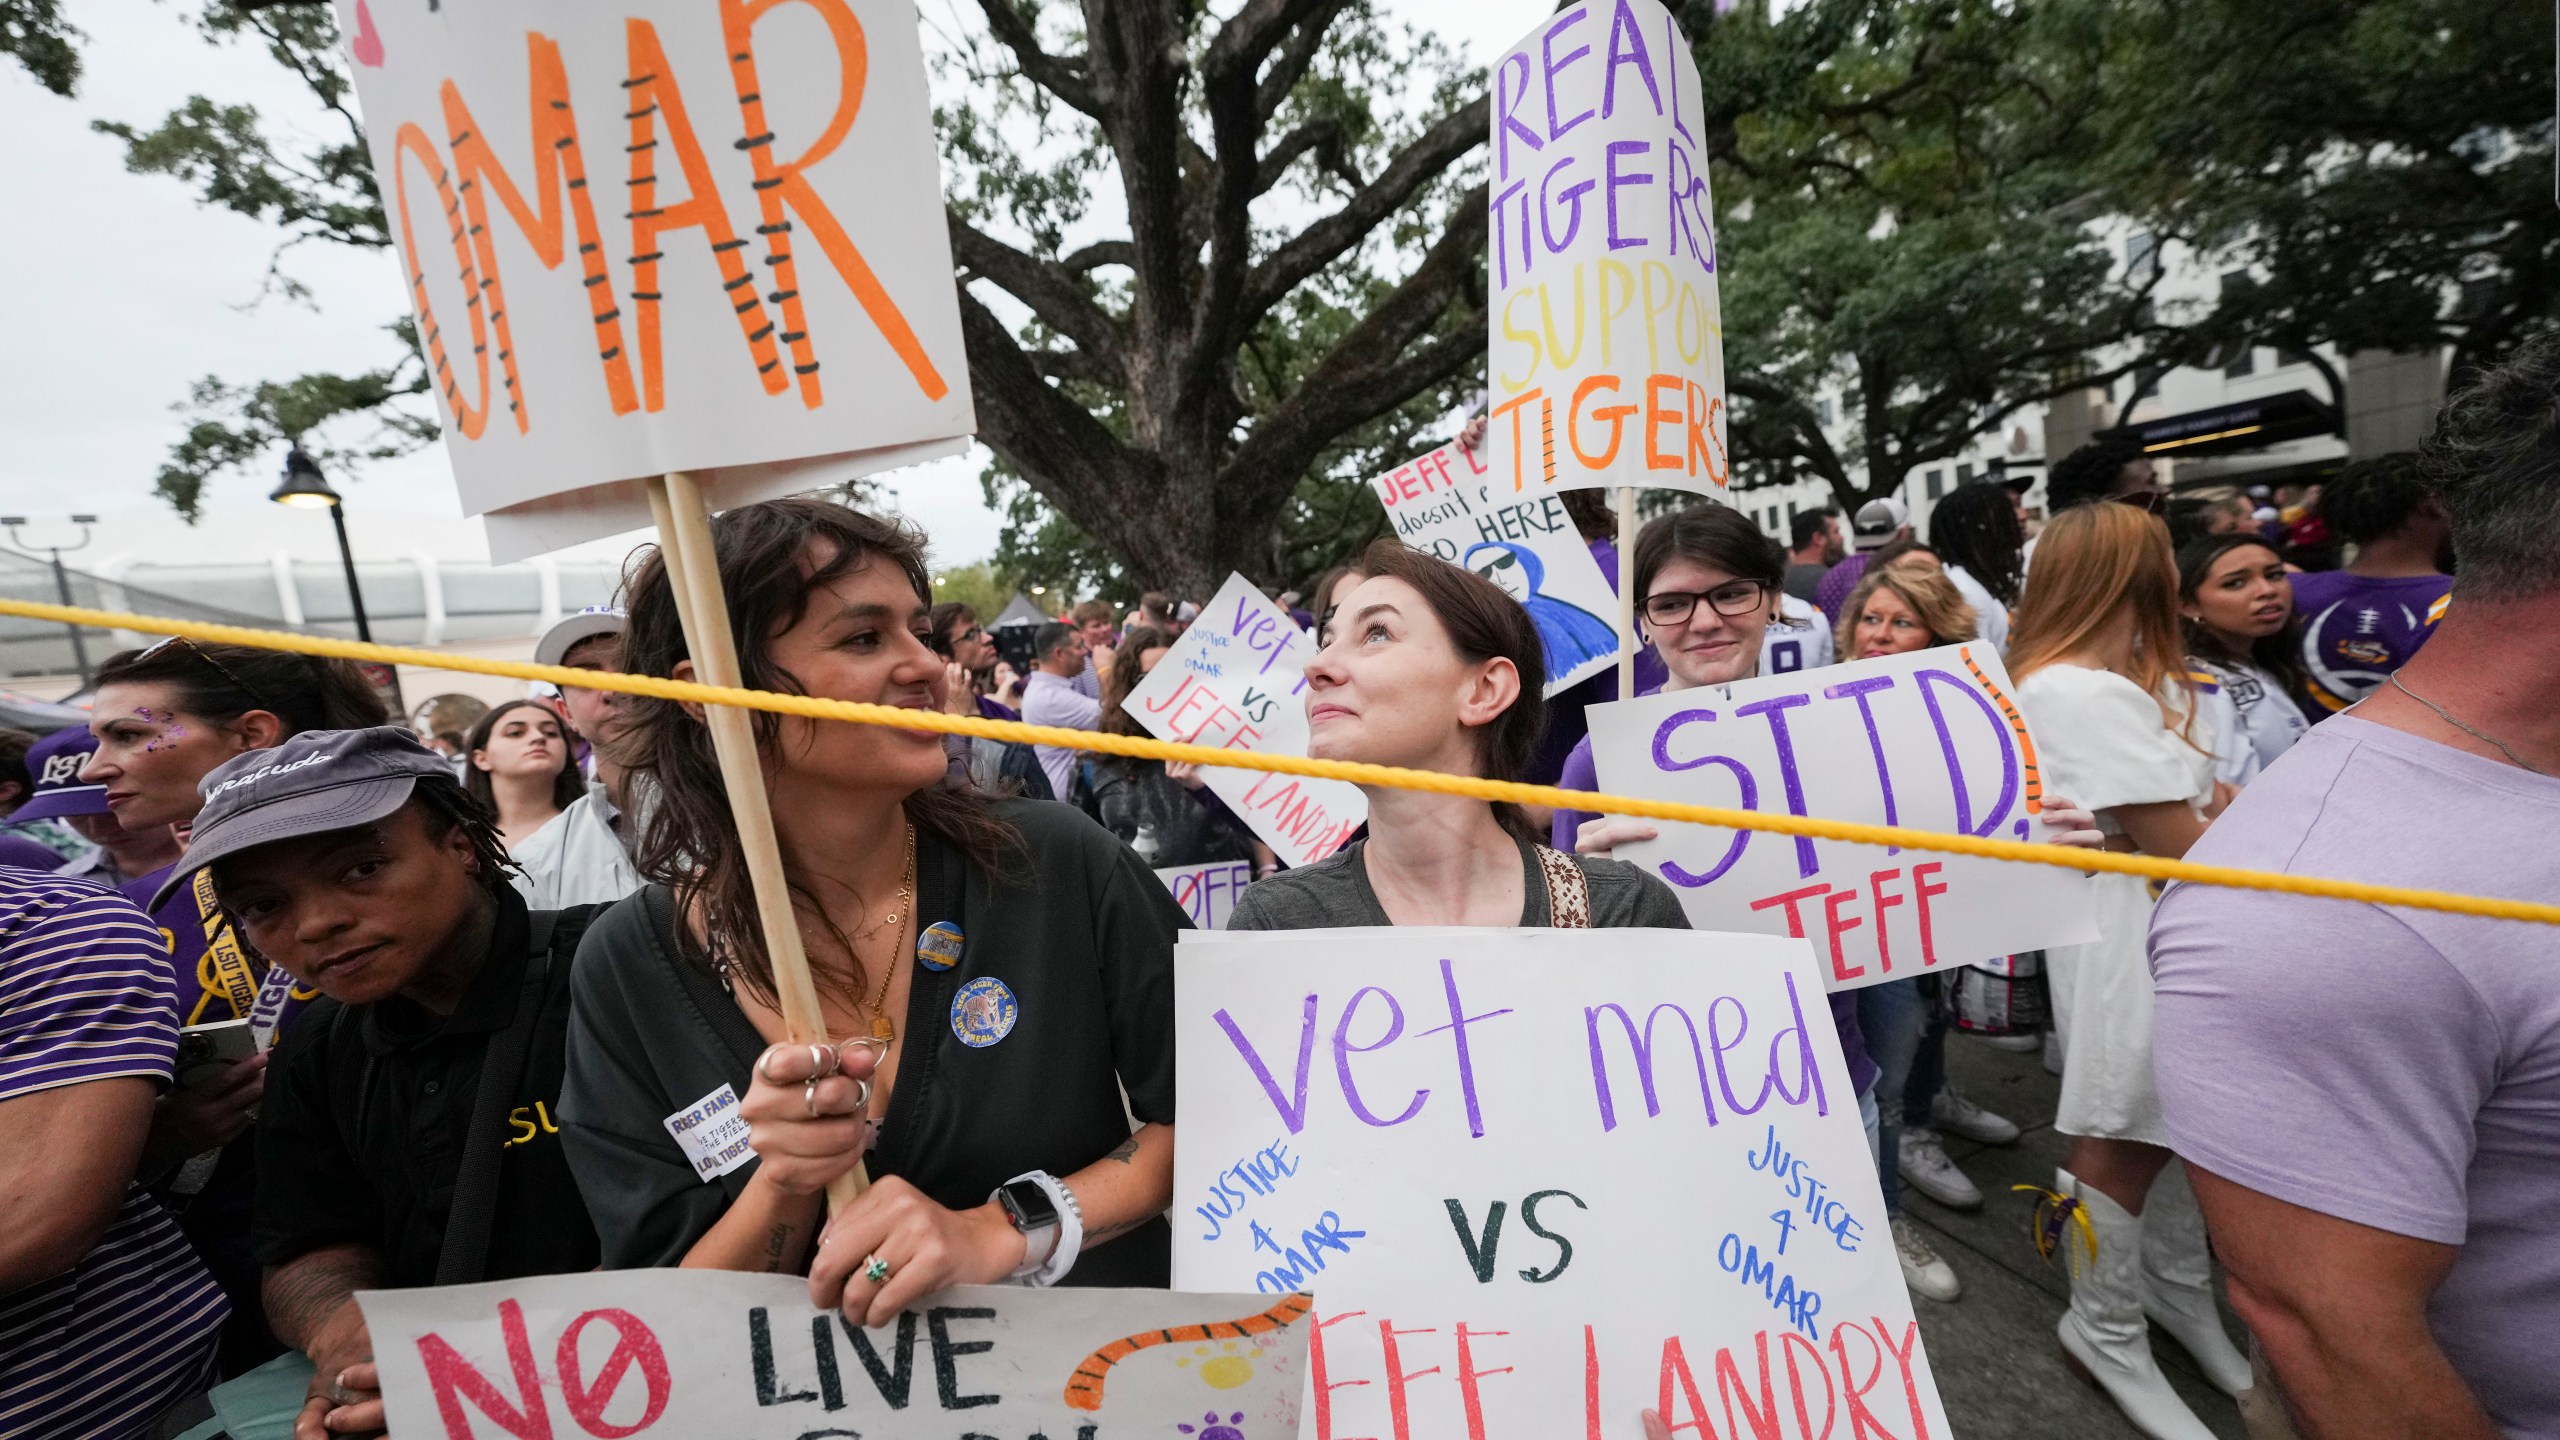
<point x="712" y="1134"/>
<point x="938" y="948"/>
<point x="983" y="1013"/>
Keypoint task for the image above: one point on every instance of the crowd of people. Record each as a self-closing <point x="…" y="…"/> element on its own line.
<point x="333" y="1003"/>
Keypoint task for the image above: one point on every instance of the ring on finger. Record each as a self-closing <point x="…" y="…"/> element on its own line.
<point x="822" y="1060"/>
<point x="809" y="1097"/>
<point x="875" y="1269"/>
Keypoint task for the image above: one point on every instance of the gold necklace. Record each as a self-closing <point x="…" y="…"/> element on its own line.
<point x="882" y="1027"/>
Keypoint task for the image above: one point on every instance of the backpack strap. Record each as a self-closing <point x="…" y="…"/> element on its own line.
<point x="1568" y="890"/>
<point x="465" y="1255"/>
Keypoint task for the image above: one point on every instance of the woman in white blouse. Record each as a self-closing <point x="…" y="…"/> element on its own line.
<point x="2101" y="675"/>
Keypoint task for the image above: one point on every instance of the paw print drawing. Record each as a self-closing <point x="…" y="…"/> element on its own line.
<point x="1222" y="1366"/>
<point x="1210" y="1429"/>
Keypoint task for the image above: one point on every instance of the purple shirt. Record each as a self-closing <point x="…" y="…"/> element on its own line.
<point x="1836" y="584"/>
<point x="2356" y="630"/>
<point x="2395" y="1068"/>
<point x="212" y="975"/>
<point x="130" y="1328"/>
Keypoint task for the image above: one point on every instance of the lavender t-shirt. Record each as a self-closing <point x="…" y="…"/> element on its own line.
<point x="2396" y="1068"/>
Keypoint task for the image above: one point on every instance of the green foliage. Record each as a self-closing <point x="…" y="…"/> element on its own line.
<point x="311" y="189"/>
<point x="1905" y="201"/>
<point x="1907" y="189"/>
<point x="2381" y="169"/>
<point x="36" y="34"/>
<point x="976" y="585"/>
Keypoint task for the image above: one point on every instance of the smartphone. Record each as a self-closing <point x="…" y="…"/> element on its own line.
<point x="207" y="1050"/>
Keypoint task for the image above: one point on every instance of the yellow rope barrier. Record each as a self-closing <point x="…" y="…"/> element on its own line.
<point x="2065" y="857"/>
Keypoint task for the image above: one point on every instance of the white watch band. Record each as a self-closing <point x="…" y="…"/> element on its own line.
<point x="1070" y="1232"/>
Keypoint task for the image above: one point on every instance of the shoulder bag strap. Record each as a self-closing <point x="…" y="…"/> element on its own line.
<point x="1568" y="890"/>
<point x="475" y="1191"/>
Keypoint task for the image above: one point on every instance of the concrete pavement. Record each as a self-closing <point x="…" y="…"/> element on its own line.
<point x="1993" y="1350"/>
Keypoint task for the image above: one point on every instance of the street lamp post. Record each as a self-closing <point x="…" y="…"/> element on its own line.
<point x="61" y="579"/>
<point x="304" y="489"/>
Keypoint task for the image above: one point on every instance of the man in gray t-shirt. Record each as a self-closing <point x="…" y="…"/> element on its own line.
<point x="2368" y="1099"/>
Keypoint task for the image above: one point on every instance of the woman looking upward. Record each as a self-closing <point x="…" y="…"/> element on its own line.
<point x="1427" y="666"/>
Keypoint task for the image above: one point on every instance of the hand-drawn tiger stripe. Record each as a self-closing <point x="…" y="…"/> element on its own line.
<point x="2017" y="726"/>
<point x="1084" y="1388"/>
<point x="653" y="101"/>
<point x="410" y="141"/>
<point x="735" y="23"/>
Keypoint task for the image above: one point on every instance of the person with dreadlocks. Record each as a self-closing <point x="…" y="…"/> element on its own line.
<point x="410" y="1133"/>
<point x="1976" y="533"/>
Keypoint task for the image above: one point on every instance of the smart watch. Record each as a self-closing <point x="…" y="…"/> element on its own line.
<point x="1043" y="1209"/>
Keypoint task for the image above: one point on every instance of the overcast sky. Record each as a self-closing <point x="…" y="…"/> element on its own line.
<point x="121" y="292"/>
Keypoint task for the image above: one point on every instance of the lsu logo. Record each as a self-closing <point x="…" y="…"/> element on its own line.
<point x="2368" y="652"/>
<point x="61" y="769"/>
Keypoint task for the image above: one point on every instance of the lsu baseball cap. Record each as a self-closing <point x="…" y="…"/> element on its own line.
<point x="1877" y="521"/>
<point x="315" y="782"/>
<point x="568" y="630"/>
<point x="54" y="764"/>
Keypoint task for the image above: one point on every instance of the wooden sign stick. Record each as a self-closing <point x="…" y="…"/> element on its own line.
<point x="1626" y="592"/>
<point x="693" y="569"/>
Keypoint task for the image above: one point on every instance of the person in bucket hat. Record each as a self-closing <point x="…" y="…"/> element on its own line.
<point x="409" y="1134"/>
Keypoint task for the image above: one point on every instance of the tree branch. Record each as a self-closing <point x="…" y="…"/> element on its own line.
<point x="1320" y="244"/>
<point x="1296" y="56"/>
<point x="1371" y="369"/>
<point x="1320" y="138"/>
<point x="1098" y="254"/>
<point x="1049" y="288"/>
<point x="1066" y="454"/>
<point x="1062" y="76"/>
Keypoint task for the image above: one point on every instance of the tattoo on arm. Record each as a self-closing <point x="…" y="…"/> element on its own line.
<point x="304" y="1292"/>
<point x="1114" y="1230"/>
<point x="777" y="1239"/>
<point x="1127" y="1153"/>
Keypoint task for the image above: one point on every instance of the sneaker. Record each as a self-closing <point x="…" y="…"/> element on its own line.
<point x="1923" y="1162"/>
<point x="1922" y="1270"/>
<point x="2023" y="1044"/>
<point x="1953" y="1114"/>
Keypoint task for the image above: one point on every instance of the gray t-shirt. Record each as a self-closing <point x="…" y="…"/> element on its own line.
<point x="1335" y="891"/>
<point x="2395" y="1068"/>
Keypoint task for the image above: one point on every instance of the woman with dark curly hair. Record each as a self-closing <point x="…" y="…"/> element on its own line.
<point x="994" y="974"/>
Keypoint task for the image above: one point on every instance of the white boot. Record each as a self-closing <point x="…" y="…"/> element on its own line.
<point x="2177" y="1272"/>
<point x="2103" y="1334"/>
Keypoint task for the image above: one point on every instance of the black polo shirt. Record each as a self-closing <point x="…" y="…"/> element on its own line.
<point x="368" y="1108"/>
<point x="1015" y="1057"/>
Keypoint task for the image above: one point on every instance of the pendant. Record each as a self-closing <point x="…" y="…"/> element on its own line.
<point x="883" y="1028"/>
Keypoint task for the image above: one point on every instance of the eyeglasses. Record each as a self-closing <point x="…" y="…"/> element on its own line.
<point x="225" y="671"/>
<point x="1734" y="597"/>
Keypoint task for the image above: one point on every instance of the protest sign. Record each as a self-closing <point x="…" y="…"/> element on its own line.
<point x="643" y="236"/>
<point x="1607" y="334"/>
<point x="679" y="1354"/>
<point x="1208" y="893"/>
<point x="1929" y="740"/>
<point x="1233" y="680"/>
<point x="1541" y="1180"/>
<point x="1443" y="503"/>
